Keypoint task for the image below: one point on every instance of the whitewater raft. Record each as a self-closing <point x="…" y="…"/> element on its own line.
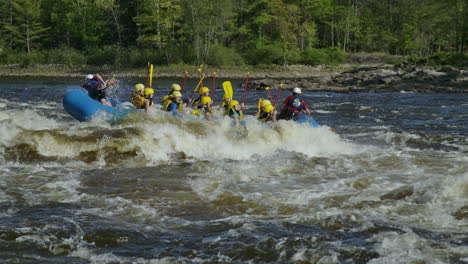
<point x="82" y="107"/>
<point x="306" y="120"/>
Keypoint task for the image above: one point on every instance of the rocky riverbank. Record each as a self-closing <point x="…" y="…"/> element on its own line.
<point x="342" y="79"/>
<point x="376" y="79"/>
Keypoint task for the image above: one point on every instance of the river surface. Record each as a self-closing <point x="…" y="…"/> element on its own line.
<point x="390" y="185"/>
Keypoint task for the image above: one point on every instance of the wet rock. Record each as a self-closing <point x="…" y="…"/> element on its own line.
<point x="104" y="238"/>
<point x="9" y="235"/>
<point x="461" y="213"/>
<point x="359" y="255"/>
<point x="399" y="193"/>
<point x="375" y="79"/>
<point x="337" y="223"/>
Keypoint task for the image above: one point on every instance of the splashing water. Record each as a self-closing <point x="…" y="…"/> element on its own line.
<point x="389" y="186"/>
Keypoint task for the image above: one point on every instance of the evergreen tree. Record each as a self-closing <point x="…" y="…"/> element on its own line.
<point x="25" y="29"/>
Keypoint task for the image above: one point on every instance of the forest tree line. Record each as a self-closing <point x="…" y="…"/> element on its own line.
<point x="228" y="32"/>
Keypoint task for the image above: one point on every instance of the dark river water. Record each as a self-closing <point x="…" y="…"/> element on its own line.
<point x="390" y="185"/>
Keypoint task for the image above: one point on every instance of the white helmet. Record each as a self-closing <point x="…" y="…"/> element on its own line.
<point x="89" y="77"/>
<point x="297" y="90"/>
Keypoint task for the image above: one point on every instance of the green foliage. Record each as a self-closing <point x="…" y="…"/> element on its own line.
<point x="265" y="32"/>
<point x="9" y="56"/>
<point x="222" y="56"/>
<point x="335" y="55"/>
<point x="446" y="58"/>
<point x="265" y="54"/>
<point x="68" y="56"/>
<point x="103" y="56"/>
<point x="329" y="56"/>
<point x="312" y="56"/>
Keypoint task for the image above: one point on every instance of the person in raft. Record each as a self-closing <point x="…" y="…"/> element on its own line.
<point x="148" y="95"/>
<point x="95" y="85"/>
<point x="174" y="88"/>
<point x="204" y="92"/>
<point x="293" y="105"/>
<point x="225" y="105"/>
<point x="174" y="103"/>
<point x="204" y="108"/>
<point x="142" y="98"/>
<point x="235" y="112"/>
<point x="138" y="96"/>
<point x="266" y="111"/>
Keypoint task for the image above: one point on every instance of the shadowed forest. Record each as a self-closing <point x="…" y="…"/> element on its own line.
<point x="229" y="32"/>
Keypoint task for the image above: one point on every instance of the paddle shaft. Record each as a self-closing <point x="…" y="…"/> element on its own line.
<point x="200" y="75"/>
<point x="277" y="95"/>
<point x="213" y="85"/>
<point x="184" y="82"/>
<point x="269" y="94"/>
<point x="148" y="75"/>
<point x="196" y="87"/>
<point x="245" y="87"/>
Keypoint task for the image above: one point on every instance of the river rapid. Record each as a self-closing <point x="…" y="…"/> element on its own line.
<point x="390" y="185"/>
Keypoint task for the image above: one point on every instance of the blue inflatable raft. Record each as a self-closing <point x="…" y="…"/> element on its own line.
<point x="307" y="120"/>
<point x="82" y="107"/>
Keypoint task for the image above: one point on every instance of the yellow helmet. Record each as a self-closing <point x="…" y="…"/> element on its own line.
<point x="139" y="87"/>
<point x="226" y="96"/>
<point x="176" y="94"/>
<point x="175" y="87"/>
<point x="265" y="103"/>
<point x="233" y="103"/>
<point x="204" y="90"/>
<point x="205" y="99"/>
<point x="268" y="108"/>
<point x="149" y="91"/>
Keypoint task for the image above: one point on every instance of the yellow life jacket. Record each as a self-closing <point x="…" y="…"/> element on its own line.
<point x="196" y="112"/>
<point x="168" y="102"/>
<point x="164" y="99"/>
<point x="200" y="111"/>
<point x="138" y="100"/>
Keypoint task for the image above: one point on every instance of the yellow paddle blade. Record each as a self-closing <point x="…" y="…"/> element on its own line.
<point x="151" y="75"/>
<point x="227" y="87"/>
<point x="259" y="106"/>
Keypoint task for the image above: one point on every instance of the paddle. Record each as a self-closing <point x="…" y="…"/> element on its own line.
<point x="147" y="74"/>
<point x="151" y="76"/>
<point x="227" y="86"/>
<point x="277" y="94"/>
<point x="213" y="85"/>
<point x="184" y="82"/>
<point x="245" y="87"/>
<point x="196" y="87"/>
<point x="200" y="75"/>
<point x="259" y="106"/>
<point x="269" y="94"/>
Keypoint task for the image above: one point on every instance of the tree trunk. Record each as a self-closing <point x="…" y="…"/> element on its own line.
<point x="285" y="61"/>
<point x="196" y="37"/>
<point x="28" y="37"/>
<point x="158" y="25"/>
<point x="117" y="25"/>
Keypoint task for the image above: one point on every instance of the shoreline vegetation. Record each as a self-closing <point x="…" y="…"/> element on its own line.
<point x="370" y="45"/>
<point x="172" y="71"/>
<point x="372" y="76"/>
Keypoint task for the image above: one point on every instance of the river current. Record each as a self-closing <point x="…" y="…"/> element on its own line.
<point x="383" y="180"/>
